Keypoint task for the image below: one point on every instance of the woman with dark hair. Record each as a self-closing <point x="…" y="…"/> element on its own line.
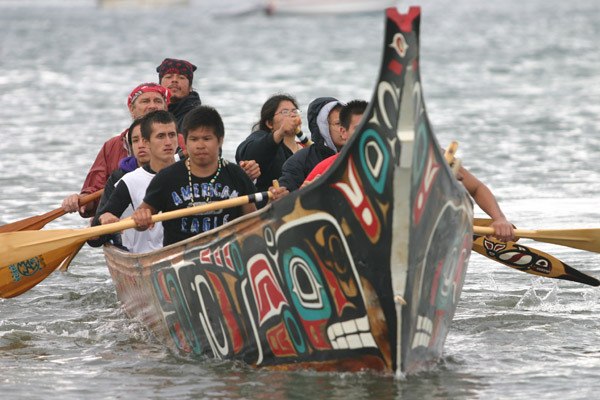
<point x="273" y="139"/>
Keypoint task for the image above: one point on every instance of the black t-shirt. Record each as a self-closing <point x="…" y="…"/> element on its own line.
<point x="170" y="190"/>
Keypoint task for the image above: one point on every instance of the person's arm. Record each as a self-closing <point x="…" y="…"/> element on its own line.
<point x="109" y="210"/>
<point x="486" y="200"/>
<point x="292" y="171"/>
<point x="251" y="168"/>
<point x="94" y="181"/>
<point x="260" y="147"/>
<point x="118" y="202"/>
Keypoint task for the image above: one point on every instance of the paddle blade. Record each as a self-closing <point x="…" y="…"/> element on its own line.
<point x="39" y="221"/>
<point x="32" y="223"/>
<point x="583" y="239"/>
<point x="19" y="277"/>
<point x="530" y="260"/>
<point x="64" y="265"/>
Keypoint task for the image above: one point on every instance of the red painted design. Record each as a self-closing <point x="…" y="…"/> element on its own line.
<point x="267" y="293"/>
<point x="228" y="312"/>
<point x="395" y="67"/>
<point x="227" y="257"/>
<point x="163" y="287"/>
<point x="181" y="341"/>
<point x="436" y="282"/>
<point x="403" y="21"/>
<point x="217" y="257"/>
<point x="362" y="208"/>
<point x="205" y="256"/>
<point x="339" y="299"/>
<point x="431" y="170"/>
<point x="315" y="330"/>
<point x="280" y="342"/>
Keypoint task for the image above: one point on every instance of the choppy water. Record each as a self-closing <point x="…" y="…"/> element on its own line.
<point x="516" y="83"/>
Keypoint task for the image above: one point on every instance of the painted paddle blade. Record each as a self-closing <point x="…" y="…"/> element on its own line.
<point x="530" y="260"/>
<point x="583" y="239"/>
<point x="39" y="221"/>
<point x="20" y="277"/>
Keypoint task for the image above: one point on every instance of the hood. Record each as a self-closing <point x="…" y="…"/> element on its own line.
<point x="318" y="111"/>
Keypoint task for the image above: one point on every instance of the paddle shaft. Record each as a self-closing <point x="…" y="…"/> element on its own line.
<point x="305" y="140"/>
<point x="39" y="221"/>
<point x="584" y="239"/>
<point x="20" y="246"/>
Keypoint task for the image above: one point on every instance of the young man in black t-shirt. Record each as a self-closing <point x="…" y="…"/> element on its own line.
<point x="203" y="177"/>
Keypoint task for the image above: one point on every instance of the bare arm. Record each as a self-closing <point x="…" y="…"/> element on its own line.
<point x="486" y="200"/>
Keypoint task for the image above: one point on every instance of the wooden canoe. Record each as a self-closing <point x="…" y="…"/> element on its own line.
<point x="362" y="269"/>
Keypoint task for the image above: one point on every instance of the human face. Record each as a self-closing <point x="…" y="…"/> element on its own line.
<point x="333" y="119"/>
<point x="179" y="85"/>
<point x="287" y="121"/>
<point x="203" y="147"/>
<point x="146" y="102"/>
<point x="354" y="122"/>
<point x="139" y="147"/>
<point x="163" y="142"/>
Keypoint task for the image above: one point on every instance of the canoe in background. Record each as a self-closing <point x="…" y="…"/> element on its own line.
<point x="362" y="269"/>
<point x="141" y="3"/>
<point x="326" y="6"/>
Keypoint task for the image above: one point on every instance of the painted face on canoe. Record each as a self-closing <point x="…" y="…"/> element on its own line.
<point x="203" y="147"/>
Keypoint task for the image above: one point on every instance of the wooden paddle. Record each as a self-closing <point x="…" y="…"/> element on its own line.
<point x="305" y="140"/>
<point x="39" y="221"/>
<point x="450" y="156"/>
<point x="527" y="259"/>
<point x="583" y="239"/>
<point x="28" y="257"/>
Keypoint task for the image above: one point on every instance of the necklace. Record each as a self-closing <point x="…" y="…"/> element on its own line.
<point x="210" y="183"/>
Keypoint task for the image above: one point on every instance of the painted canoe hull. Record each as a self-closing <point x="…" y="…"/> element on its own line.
<point x="360" y="270"/>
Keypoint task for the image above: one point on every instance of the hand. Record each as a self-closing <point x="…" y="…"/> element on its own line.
<point x="251" y="168"/>
<point x="289" y="126"/>
<point x="107" y="218"/>
<point x="71" y="203"/>
<point x="503" y="230"/>
<point x="278" y="192"/>
<point x="143" y="219"/>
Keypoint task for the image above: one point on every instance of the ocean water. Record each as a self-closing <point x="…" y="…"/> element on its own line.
<point x="515" y="83"/>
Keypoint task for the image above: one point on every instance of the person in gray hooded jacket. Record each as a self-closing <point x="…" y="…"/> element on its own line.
<point x="324" y="124"/>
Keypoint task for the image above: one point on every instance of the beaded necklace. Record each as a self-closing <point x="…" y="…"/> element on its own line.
<point x="210" y="183"/>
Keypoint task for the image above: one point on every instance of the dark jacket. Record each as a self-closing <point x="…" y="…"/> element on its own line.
<point x="295" y="170"/>
<point x="126" y="165"/>
<point x="270" y="156"/>
<point x="183" y="106"/>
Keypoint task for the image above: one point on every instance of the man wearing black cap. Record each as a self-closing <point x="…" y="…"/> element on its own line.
<point x="177" y="76"/>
